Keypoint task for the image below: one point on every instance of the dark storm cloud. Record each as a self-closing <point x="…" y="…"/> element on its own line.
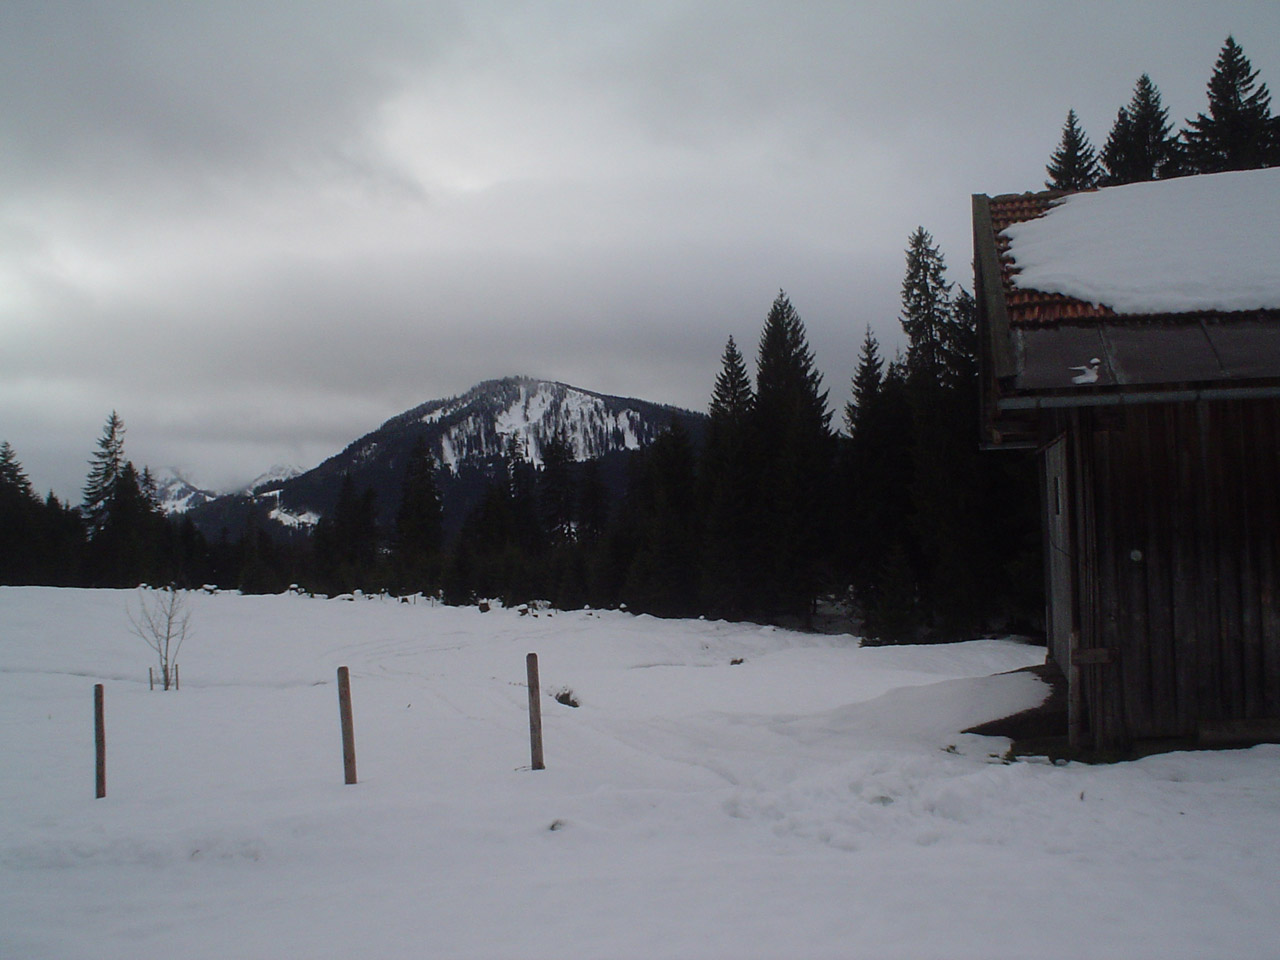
<point x="258" y="230"/>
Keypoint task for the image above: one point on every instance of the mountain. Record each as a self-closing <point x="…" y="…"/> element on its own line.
<point x="177" y="495"/>
<point x="273" y="479"/>
<point x="479" y="423"/>
<point x="468" y="434"/>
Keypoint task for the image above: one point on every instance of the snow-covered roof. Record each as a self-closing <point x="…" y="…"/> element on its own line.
<point x="1204" y="243"/>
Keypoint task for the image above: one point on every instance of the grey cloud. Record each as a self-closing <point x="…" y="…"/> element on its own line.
<point x="93" y="87"/>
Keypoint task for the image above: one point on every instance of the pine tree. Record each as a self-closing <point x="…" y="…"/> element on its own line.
<point x="13" y="479"/>
<point x="727" y="482"/>
<point x="593" y="503"/>
<point x="891" y="612"/>
<point x="663" y="574"/>
<point x="875" y="504"/>
<point x="104" y="472"/>
<point x="1239" y="132"/>
<point x="861" y="465"/>
<point x="1074" y="165"/>
<point x="125" y="550"/>
<point x="150" y="489"/>
<point x="20" y="516"/>
<point x="866" y="383"/>
<point x="942" y="393"/>
<point x="557" y="494"/>
<point x="64" y="544"/>
<point x="732" y="397"/>
<point x="1139" y="147"/>
<point x="419" y="519"/>
<point x="793" y="447"/>
<point x="926" y="308"/>
<point x="345" y="543"/>
<point x="960" y="343"/>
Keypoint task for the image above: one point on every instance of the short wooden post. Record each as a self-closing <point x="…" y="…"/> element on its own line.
<point x="535" y="711"/>
<point x="151" y="678"/>
<point x="177" y="684"/>
<point x="348" y="733"/>
<point x="99" y="741"/>
<point x="1075" y="694"/>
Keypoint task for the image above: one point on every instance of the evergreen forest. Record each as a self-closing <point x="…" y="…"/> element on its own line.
<point x="1238" y="132"/>
<point x="898" y="516"/>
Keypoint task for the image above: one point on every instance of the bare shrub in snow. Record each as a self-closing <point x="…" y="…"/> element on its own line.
<point x="162" y="620"/>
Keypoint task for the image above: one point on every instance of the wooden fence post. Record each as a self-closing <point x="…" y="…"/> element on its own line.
<point x="151" y="678"/>
<point x="348" y="734"/>
<point x="99" y="742"/>
<point x="535" y="711"/>
<point x="177" y="684"/>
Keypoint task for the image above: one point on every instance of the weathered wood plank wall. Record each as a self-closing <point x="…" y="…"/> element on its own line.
<point x="1177" y="559"/>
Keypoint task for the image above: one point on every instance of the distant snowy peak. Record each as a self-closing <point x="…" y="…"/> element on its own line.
<point x="177" y="495"/>
<point x="273" y="479"/>
<point x="468" y="434"/>
<point x="481" y="422"/>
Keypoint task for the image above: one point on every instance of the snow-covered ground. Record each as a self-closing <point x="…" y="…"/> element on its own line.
<point x="814" y="801"/>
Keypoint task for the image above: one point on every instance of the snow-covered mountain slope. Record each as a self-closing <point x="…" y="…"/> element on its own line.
<point x="481" y="422"/>
<point x="177" y="494"/>
<point x="468" y="434"/>
<point x="273" y="479"/>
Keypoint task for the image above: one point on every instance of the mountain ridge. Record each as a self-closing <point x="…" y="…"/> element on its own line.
<point x="468" y="434"/>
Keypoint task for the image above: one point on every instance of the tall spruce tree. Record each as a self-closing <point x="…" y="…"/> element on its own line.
<point x="104" y="472"/>
<point x="20" y="515"/>
<point x="1238" y="133"/>
<point x="954" y="548"/>
<point x="126" y="548"/>
<point x="862" y="468"/>
<point x="732" y="397"/>
<point x="13" y="478"/>
<point x="663" y="575"/>
<point x="793" y="447"/>
<point x="879" y="504"/>
<point x="1074" y="165"/>
<point x="960" y="343"/>
<point x="941" y="379"/>
<point x="866" y="383"/>
<point x="727" y="471"/>
<point x="926" y="308"/>
<point x="1139" y="147"/>
<point x="345" y="542"/>
<point x="593" y="503"/>
<point x="419" y="521"/>
<point x="557" y="491"/>
<point x="63" y="542"/>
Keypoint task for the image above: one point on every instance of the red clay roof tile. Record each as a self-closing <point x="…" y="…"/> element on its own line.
<point x="1033" y="307"/>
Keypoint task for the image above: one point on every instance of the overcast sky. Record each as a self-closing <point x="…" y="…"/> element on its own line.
<point x="259" y="229"/>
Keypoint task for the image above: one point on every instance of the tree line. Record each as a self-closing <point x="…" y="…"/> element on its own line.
<point x="773" y="511"/>
<point x="1237" y="133"/>
<point x="900" y="515"/>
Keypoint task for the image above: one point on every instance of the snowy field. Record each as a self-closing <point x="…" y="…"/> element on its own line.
<point x="814" y="801"/>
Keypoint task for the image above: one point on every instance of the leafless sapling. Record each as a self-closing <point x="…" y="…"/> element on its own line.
<point x="163" y="621"/>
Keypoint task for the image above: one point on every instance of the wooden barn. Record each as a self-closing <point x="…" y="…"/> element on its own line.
<point x="1131" y="336"/>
